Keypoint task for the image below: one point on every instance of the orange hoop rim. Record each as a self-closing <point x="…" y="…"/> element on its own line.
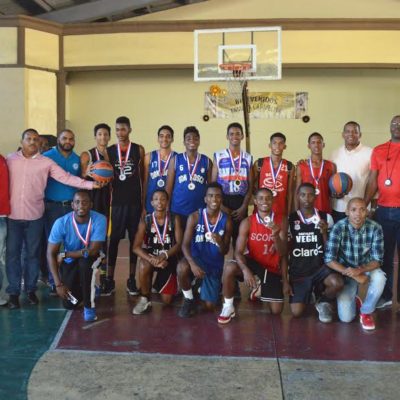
<point x="235" y="67"/>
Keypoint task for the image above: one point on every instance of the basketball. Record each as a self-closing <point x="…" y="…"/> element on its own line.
<point x="340" y="184"/>
<point x="102" y="171"/>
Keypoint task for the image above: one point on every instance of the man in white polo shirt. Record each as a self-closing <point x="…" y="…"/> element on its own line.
<point x="353" y="158"/>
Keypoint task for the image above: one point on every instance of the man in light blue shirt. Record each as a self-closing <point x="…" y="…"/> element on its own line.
<point x="82" y="234"/>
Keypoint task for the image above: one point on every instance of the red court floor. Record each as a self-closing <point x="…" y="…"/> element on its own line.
<point x="253" y="333"/>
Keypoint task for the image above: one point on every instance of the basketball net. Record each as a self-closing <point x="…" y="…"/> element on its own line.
<point x="236" y="76"/>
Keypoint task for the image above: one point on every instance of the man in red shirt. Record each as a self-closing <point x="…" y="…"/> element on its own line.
<point x="316" y="171"/>
<point x="4" y="211"/>
<point x="385" y="177"/>
<point x="277" y="174"/>
<point x="264" y="267"/>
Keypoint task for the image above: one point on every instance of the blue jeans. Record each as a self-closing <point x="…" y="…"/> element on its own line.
<point x="346" y="298"/>
<point x="389" y="218"/>
<point x="52" y="212"/>
<point x="3" y="237"/>
<point x="29" y="233"/>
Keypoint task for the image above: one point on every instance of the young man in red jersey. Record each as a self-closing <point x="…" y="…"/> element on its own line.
<point x="264" y="266"/>
<point x="276" y="174"/>
<point x="316" y="171"/>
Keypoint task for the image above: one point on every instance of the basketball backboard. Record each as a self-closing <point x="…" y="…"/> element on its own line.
<point x="257" y="50"/>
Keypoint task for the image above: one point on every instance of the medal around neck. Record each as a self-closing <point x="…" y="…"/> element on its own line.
<point x="208" y="235"/>
<point x="122" y="177"/>
<point x="191" y="186"/>
<point x="388" y="182"/>
<point x="160" y="183"/>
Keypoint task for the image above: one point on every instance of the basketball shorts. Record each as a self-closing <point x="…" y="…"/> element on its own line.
<point x="166" y="281"/>
<point x="303" y="287"/>
<point x="271" y="284"/>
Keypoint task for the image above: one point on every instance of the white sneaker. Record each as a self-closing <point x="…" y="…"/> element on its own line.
<point x="227" y="313"/>
<point x="324" y="312"/>
<point x="142" y="305"/>
<point x="382" y="303"/>
<point x="3" y="301"/>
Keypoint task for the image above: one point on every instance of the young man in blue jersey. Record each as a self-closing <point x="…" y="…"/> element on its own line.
<point x="156" y="164"/>
<point x="232" y="169"/>
<point x="157" y="243"/>
<point x="82" y="233"/>
<point x="205" y="243"/>
<point x="188" y="175"/>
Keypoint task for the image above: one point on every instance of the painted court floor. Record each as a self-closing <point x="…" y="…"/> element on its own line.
<point x="48" y="353"/>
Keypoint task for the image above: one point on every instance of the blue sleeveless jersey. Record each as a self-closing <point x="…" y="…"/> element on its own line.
<point x="154" y="176"/>
<point x="184" y="200"/>
<point x="207" y="253"/>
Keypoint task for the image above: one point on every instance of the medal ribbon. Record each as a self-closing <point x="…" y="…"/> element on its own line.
<point x="160" y="168"/>
<point x="236" y="170"/>
<point x="88" y="232"/>
<point x="261" y="221"/>
<point x="191" y="173"/>
<point x="160" y="238"/>
<point x="303" y="218"/>
<point x="97" y="154"/>
<point x="273" y="173"/>
<point x="321" y="168"/>
<point x="207" y="224"/>
<point x="123" y="163"/>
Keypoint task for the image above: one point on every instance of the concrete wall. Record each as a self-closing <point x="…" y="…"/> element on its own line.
<point x="153" y="98"/>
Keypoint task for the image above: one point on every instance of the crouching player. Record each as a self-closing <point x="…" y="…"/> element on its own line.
<point x="264" y="267"/>
<point x="308" y="231"/>
<point x="205" y="243"/>
<point x="82" y="232"/>
<point x="161" y="234"/>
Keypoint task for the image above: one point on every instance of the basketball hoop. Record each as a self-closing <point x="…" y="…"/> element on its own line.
<point x="235" y="73"/>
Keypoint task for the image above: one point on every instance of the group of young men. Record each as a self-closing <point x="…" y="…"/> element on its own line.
<point x="183" y="212"/>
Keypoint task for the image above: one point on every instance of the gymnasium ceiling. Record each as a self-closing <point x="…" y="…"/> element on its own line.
<point x="70" y="11"/>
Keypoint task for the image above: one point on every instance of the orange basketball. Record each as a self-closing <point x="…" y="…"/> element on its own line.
<point x="340" y="184"/>
<point x="102" y="171"/>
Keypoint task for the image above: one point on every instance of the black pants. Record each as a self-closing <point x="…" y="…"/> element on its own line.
<point x="123" y="218"/>
<point x="77" y="276"/>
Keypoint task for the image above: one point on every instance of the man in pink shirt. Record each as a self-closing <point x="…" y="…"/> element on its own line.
<point x="4" y="211"/>
<point x="28" y="172"/>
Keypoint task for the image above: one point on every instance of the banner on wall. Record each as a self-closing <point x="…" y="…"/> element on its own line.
<point x="269" y="105"/>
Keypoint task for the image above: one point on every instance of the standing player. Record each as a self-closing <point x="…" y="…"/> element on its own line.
<point x="264" y="235"/>
<point x="316" y="171"/>
<point x="308" y="229"/>
<point x="161" y="233"/>
<point x="277" y="174"/>
<point x="100" y="198"/>
<point x="82" y="232"/>
<point x="232" y="170"/>
<point x="156" y="165"/>
<point x="205" y="243"/>
<point x="353" y="158"/>
<point x="126" y="201"/>
<point x="188" y="176"/>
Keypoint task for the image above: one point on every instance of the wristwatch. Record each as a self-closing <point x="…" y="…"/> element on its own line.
<point x="62" y="254"/>
<point x="85" y="253"/>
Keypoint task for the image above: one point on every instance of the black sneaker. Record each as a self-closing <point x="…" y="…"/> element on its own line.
<point x="32" y="298"/>
<point x="13" y="302"/>
<point x="131" y="287"/>
<point x="188" y="308"/>
<point x="108" y="287"/>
